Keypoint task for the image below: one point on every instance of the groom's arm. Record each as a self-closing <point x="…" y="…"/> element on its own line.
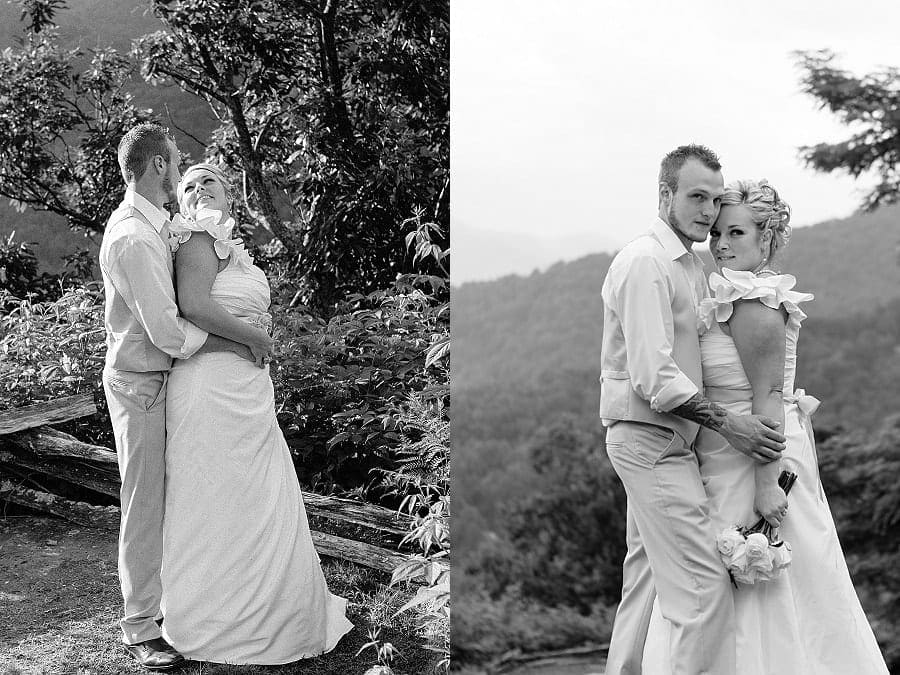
<point x="641" y="294"/>
<point x="753" y="435"/>
<point x="216" y="343"/>
<point x="140" y="275"/>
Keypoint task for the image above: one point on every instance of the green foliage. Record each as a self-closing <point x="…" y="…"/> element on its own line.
<point x="342" y="382"/>
<point x="40" y="13"/>
<point x="870" y="106"/>
<point x="21" y="279"/>
<point x="859" y="472"/>
<point x="340" y="108"/>
<point x="570" y="533"/>
<point x="486" y="627"/>
<point x="52" y="348"/>
<point x="60" y="128"/>
<point x="18" y="267"/>
<point x="424" y="476"/>
<point x="557" y="552"/>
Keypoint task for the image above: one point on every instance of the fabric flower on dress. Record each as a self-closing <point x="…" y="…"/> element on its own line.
<point x="732" y="285"/>
<point x="207" y="220"/>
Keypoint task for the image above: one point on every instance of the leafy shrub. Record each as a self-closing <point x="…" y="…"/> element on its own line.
<point x="56" y="348"/>
<point x="52" y="348"/>
<point x="19" y="275"/>
<point x="342" y="382"/>
<point x="424" y="477"/>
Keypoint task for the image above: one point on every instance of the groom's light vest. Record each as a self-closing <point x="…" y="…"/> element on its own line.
<point x="143" y="329"/>
<point x="650" y="358"/>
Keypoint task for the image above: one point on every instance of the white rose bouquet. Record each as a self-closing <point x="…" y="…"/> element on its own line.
<point x="755" y="553"/>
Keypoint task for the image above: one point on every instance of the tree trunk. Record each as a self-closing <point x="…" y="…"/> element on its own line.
<point x="332" y="75"/>
<point x="252" y="165"/>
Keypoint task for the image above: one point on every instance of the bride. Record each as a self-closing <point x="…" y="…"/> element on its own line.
<point x="808" y="621"/>
<point x="242" y="583"/>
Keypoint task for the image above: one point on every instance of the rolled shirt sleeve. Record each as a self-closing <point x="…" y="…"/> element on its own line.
<point x="146" y="287"/>
<point x="644" y="304"/>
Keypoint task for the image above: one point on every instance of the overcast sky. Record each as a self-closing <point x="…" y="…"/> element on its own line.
<point x="561" y="111"/>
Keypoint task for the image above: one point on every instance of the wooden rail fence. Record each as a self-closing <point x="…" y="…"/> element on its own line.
<point x="30" y="448"/>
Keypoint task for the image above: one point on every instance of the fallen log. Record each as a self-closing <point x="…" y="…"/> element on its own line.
<point x="69" y="471"/>
<point x="518" y="662"/>
<point x="367" y="555"/>
<point x="49" y="442"/>
<point x="48" y="412"/>
<point x="87" y="515"/>
<point x="107" y="518"/>
<point x="349" y="511"/>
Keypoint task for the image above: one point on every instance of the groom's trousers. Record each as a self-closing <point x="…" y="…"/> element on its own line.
<point x="672" y="551"/>
<point x="137" y="410"/>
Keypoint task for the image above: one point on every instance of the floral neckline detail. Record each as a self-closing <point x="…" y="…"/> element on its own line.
<point x="210" y="221"/>
<point x="773" y="290"/>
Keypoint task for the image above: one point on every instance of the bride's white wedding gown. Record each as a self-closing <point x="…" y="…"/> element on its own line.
<point x="241" y="579"/>
<point x="808" y="621"/>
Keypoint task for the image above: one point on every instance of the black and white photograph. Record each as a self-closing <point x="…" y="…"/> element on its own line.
<point x="225" y="335"/>
<point x="676" y="321"/>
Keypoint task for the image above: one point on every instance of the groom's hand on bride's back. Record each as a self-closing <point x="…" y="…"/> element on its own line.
<point x="756" y="436"/>
<point x="216" y="343"/>
<point x="263" y="349"/>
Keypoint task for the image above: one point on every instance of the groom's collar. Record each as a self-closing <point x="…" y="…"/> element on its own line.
<point x="670" y="242"/>
<point x="156" y="217"/>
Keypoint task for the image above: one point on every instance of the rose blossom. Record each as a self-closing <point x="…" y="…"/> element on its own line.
<point x="728" y="540"/>
<point x="757" y="544"/>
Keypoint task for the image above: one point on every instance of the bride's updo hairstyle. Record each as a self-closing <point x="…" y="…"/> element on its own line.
<point x="215" y="171"/>
<point x="768" y="211"/>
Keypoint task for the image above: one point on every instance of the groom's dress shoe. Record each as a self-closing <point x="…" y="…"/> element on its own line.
<point x="156" y="654"/>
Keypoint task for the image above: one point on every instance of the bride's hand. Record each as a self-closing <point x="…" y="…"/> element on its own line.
<point x="262" y="348"/>
<point x="771" y="503"/>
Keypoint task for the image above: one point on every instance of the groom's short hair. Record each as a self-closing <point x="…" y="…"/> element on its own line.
<point x="138" y="146"/>
<point x="671" y="164"/>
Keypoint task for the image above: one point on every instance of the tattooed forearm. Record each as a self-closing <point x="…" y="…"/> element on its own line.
<point x="702" y="411"/>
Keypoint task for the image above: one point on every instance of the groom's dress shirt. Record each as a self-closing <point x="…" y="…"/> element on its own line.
<point x="144" y="331"/>
<point x="650" y="359"/>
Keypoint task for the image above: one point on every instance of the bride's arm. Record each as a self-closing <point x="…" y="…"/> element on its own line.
<point x="759" y="335"/>
<point x="196" y="266"/>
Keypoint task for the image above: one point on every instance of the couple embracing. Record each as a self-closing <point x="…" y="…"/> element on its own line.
<point x="697" y="392"/>
<point x="216" y="560"/>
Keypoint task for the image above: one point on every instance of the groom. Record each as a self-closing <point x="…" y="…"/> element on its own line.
<point x="144" y="332"/>
<point x="652" y="403"/>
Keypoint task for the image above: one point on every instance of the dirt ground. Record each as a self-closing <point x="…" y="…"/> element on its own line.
<point x="60" y="604"/>
<point x="56" y="582"/>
